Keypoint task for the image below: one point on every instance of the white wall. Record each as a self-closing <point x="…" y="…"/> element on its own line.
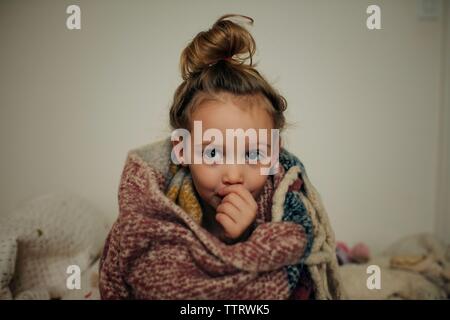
<point x="442" y="222"/>
<point x="365" y="103"/>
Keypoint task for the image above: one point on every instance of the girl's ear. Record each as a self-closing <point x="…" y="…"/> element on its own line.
<point x="179" y="155"/>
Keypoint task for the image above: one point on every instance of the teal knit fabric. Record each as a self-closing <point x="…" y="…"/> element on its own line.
<point x="295" y="211"/>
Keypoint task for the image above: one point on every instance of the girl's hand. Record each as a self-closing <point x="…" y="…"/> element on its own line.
<point x="237" y="210"/>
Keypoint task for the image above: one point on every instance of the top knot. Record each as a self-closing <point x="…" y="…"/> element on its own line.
<point x="226" y="41"/>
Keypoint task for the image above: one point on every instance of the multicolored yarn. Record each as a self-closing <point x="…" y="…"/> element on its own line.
<point x="295" y="211"/>
<point x="181" y="191"/>
<point x="157" y="248"/>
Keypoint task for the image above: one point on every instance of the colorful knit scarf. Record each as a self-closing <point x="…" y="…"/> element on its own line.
<point x="157" y="248"/>
<point x="181" y="191"/>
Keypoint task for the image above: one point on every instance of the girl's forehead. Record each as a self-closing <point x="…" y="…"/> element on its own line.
<point x="229" y="116"/>
<point x="246" y="102"/>
<point x="230" y="112"/>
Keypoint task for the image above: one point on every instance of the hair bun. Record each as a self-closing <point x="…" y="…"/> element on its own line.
<point x="226" y="40"/>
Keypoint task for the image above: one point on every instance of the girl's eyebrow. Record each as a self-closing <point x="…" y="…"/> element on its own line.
<point x="212" y="144"/>
<point x="258" y="146"/>
<point x="267" y="144"/>
<point x="208" y="143"/>
<point x="215" y="144"/>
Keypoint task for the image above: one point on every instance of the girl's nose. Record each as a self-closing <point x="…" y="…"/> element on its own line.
<point x="233" y="174"/>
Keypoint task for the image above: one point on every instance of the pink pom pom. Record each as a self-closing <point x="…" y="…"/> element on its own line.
<point x="342" y="246"/>
<point x="360" y="253"/>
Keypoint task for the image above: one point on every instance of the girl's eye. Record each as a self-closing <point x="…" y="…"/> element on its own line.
<point x="212" y="153"/>
<point x="253" y="155"/>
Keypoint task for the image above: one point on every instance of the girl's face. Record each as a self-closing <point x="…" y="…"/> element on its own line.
<point x="230" y="113"/>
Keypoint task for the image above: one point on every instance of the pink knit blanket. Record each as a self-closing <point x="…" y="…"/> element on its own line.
<point x="155" y="250"/>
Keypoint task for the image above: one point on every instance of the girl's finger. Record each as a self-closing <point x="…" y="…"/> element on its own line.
<point x="230" y="210"/>
<point x="240" y="190"/>
<point x="226" y="222"/>
<point x="235" y="200"/>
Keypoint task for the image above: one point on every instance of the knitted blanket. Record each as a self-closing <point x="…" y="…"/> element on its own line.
<point x="41" y="238"/>
<point x="158" y="249"/>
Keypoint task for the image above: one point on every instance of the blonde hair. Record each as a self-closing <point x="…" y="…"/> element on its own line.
<point x="214" y="62"/>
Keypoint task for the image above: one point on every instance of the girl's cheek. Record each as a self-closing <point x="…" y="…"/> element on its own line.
<point x="255" y="179"/>
<point x="208" y="176"/>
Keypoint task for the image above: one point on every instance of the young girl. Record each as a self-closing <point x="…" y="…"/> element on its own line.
<point x="219" y="229"/>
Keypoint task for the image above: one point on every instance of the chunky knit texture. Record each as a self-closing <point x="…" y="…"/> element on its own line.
<point x="157" y="248"/>
<point x="41" y="238"/>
